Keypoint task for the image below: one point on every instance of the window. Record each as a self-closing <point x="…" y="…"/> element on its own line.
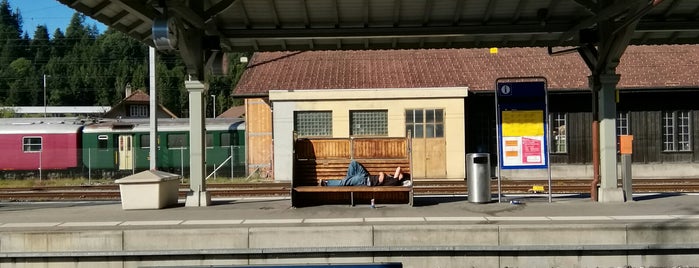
<point x="558" y="133"/>
<point x="676" y="131"/>
<point x="31" y="144"/>
<point x="313" y="123"/>
<point x="209" y="140"/>
<point x="369" y="123"/>
<point x="425" y="123"/>
<point x="102" y="142"/>
<point x="176" y="141"/>
<point x="225" y="139"/>
<point x="145" y="140"/>
<point x="138" y="111"/>
<point x="622" y="124"/>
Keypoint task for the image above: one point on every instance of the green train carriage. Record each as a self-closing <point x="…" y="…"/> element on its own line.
<point x="124" y="145"/>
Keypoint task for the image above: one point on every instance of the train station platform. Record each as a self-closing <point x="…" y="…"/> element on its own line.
<point x="654" y="230"/>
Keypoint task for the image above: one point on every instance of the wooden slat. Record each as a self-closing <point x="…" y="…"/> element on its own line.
<point x="337" y="169"/>
<point x="322" y="149"/>
<point x="381" y="148"/>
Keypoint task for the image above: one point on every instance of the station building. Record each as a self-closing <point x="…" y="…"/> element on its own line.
<point x="444" y="98"/>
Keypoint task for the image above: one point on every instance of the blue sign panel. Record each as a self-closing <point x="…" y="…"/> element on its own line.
<point x="522" y="124"/>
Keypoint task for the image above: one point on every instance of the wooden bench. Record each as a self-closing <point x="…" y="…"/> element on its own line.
<point x="328" y="158"/>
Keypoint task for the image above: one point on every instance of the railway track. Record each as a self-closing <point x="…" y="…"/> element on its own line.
<point x="421" y="187"/>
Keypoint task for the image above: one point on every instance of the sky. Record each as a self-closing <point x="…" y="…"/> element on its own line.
<point x="47" y="12"/>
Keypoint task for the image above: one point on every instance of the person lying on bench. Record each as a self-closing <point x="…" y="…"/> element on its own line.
<point x="357" y="175"/>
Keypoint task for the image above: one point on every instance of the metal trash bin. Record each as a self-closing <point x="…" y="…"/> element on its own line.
<point x="478" y="177"/>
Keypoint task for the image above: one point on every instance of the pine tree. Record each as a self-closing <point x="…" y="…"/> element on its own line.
<point x="40" y="47"/>
<point x="10" y="49"/>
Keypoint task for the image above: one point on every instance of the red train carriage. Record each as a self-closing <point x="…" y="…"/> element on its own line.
<point x="39" y="144"/>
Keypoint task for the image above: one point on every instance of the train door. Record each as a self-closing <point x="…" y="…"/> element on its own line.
<point x="125" y="152"/>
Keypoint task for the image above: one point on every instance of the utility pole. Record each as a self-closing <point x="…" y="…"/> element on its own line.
<point x="213" y="113"/>
<point x="45" y="93"/>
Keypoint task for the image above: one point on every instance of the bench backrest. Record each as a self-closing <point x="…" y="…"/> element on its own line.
<point x="328" y="158"/>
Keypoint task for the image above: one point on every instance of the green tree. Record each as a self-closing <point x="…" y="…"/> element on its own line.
<point x="23" y="89"/>
<point x="10" y="46"/>
<point x="40" y="47"/>
<point x="88" y="68"/>
<point x="58" y="44"/>
<point x="119" y="57"/>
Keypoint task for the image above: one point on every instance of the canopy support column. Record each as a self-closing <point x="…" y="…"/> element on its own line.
<point x="606" y="99"/>
<point x="197" y="195"/>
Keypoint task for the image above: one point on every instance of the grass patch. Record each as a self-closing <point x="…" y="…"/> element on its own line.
<point x="34" y="182"/>
<point x="12" y="183"/>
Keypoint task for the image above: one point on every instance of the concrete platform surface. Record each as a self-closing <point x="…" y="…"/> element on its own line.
<point x="564" y="209"/>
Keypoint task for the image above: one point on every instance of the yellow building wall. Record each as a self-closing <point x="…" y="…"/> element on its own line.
<point x="454" y="124"/>
<point x="395" y="101"/>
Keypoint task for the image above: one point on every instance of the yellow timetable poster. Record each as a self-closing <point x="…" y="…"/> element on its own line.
<point x="522" y="123"/>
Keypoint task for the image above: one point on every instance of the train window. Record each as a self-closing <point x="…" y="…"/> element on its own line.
<point x="102" y="142"/>
<point x="176" y="141"/>
<point x="209" y="140"/>
<point x="31" y="144"/>
<point x="145" y="141"/>
<point x="225" y="139"/>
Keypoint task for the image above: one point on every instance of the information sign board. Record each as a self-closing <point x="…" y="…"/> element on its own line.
<point x="522" y="137"/>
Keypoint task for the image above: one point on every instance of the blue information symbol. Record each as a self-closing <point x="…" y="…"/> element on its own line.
<point x="505" y="90"/>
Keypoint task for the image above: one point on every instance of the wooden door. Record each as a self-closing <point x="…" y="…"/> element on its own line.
<point x="426" y="126"/>
<point x="435" y="160"/>
<point x="429" y="159"/>
<point x="125" y="152"/>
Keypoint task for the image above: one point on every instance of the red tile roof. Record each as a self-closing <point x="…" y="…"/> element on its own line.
<point x="641" y="67"/>
<point x="138" y="96"/>
<point x="233" y="112"/>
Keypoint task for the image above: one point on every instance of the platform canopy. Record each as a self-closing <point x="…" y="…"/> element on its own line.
<point x="267" y="25"/>
<point x="599" y="30"/>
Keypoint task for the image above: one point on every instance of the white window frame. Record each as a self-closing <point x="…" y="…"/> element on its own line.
<point x="623" y="125"/>
<point x="26" y="141"/>
<point x="426" y="126"/>
<point x="676" y="131"/>
<point x="558" y="142"/>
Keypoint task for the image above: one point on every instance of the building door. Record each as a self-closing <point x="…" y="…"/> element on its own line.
<point x="125" y="152"/>
<point x="429" y="144"/>
<point x="259" y="136"/>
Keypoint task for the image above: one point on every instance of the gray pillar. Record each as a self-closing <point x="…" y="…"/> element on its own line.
<point x="608" y="191"/>
<point x="197" y="195"/>
<point x="626" y="178"/>
<point x="153" y="139"/>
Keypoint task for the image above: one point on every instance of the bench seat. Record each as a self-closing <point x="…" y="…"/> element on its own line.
<point x="352" y="195"/>
<point x="355" y="189"/>
<point x="328" y="158"/>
